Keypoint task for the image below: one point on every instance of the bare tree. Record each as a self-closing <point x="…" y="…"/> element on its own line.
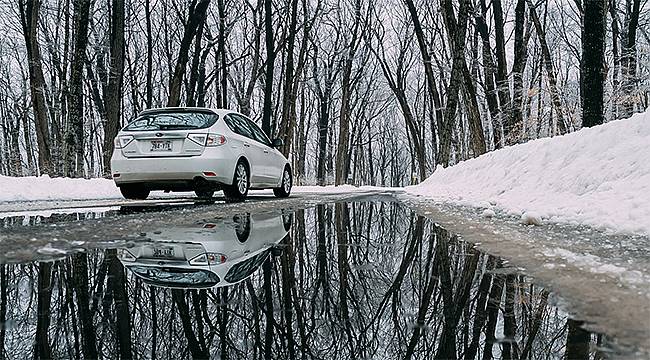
<point x="29" y="18"/>
<point x="592" y="72"/>
<point x="113" y="95"/>
<point x="196" y="16"/>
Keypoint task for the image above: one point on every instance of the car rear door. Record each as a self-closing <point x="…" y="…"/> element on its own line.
<point x="273" y="160"/>
<point x="251" y="149"/>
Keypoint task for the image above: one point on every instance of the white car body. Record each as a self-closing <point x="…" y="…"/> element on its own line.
<point x="236" y="249"/>
<point x="178" y="159"/>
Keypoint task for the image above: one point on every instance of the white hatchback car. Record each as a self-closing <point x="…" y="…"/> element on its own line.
<point x="197" y="149"/>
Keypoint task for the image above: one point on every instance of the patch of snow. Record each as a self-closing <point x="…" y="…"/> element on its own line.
<point x="488" y="213"/>
<point x="597" y="176"/>
<point x="31" y="188"/>
<point x="597" y="265"/>
<point x="45" y="188"/>
<point x="50" y="250"/>
<point x="531" y="218"/>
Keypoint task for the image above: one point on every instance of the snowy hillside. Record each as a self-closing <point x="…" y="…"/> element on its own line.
<point x="597" y="176"/>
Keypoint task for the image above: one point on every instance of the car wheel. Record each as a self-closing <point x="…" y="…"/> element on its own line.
<point x="240" y="183"/>
<point x="134" y="192"/>
<point x="287" y="182"/>
<point x="287" y="220"/>
<point x="242" y="226"/>
<point x="204" y="193"/>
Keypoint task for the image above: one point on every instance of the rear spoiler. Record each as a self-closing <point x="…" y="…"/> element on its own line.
<point x="176" y="110"/>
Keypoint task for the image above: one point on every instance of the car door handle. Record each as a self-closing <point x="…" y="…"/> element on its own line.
<point x="247" y="144"/>
<point x="266" y="151"/>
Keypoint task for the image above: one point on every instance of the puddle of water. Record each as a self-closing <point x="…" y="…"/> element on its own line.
<point x="349" y="280"/>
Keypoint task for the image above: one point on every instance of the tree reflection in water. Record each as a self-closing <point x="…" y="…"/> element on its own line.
<point x="354" y="280"/>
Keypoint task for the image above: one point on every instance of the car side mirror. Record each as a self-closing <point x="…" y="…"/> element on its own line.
<point x="277" y="143"/>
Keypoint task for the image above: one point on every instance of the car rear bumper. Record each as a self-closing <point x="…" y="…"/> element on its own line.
<point x="170" y="172"/>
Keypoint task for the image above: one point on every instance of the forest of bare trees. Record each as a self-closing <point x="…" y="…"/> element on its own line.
<point x="368" y="92"/>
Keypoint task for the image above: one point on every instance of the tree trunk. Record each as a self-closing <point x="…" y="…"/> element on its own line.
<point x="432" y="86"/>
<point x="113" y="95"/>
<point x="149" y="84"/>
<point x="192" y="91"/>
<point x="494" y="301"/>
<point x="510" y="347"/>
<point x="196" y="16"/>
<point x="197" y="351"/>
<point x="516" y="118"/>
<point x="628" y="57"/>
<point x="550" y="72"/>
<point x="288" y="105"/>
<point x="342" y="159"/>
<point x="117" y="287"/>
<point x="42" y="349"/>
<point x="222" y="53"/>
<point x="489" y="75"/>
<point x="270" y="62"/>
<point x="577" y="341"/>
<point x="503" y="87"/>
<point x="457" y="33"/>
<point x="592" y="66"/>
<point x="267" y="267"/>
<point x="537" y="323"/>
<point x="80" y="281"/>
<point x="29" y="16"/>
<point x="74" y="140"/>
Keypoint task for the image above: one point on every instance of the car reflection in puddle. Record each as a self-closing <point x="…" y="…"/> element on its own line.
<point x="209" y="255"/>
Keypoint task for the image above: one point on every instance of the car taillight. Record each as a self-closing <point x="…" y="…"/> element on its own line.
<point x="122" y="141"/>
<point x="125" y="255"/>
<point x="215" y="140"/>
<point x="198" y="138"/>
<point x="207" y="139"/>
<point x="208" y="259"/>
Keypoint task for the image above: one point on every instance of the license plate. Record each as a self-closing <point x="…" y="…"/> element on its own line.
<point x="161" y="145"/>
<point x="163" y="252"/>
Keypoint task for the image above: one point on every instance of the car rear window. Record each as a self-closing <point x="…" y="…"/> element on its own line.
<point x="176" y="276"/>
<point x="173" y="121"/>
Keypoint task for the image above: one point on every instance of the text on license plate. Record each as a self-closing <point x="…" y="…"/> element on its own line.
<point x="163" y="252"/>
<point x="161" y="145"/>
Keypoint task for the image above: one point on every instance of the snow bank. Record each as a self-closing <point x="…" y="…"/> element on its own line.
<point x="597" y="176"/>
<point x="44" y="188"/>
<point x="32" y="188"/>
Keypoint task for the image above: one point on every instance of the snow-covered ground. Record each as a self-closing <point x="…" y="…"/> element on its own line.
<point x="597" y="176"/>
<point x="31" y="188"/>
<point x="44" y="188"/>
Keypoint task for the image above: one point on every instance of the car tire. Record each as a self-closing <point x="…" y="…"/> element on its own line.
<point x="242" y="226"/>
<point x="134" y="192"/>
<point x="204" y="193"/>
<point x="287" y="220"/>
<point x="287" y="183"/>
<point x="240" y="183"/>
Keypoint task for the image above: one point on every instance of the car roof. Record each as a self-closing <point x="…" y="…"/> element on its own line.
<point x="185" y="109"/>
